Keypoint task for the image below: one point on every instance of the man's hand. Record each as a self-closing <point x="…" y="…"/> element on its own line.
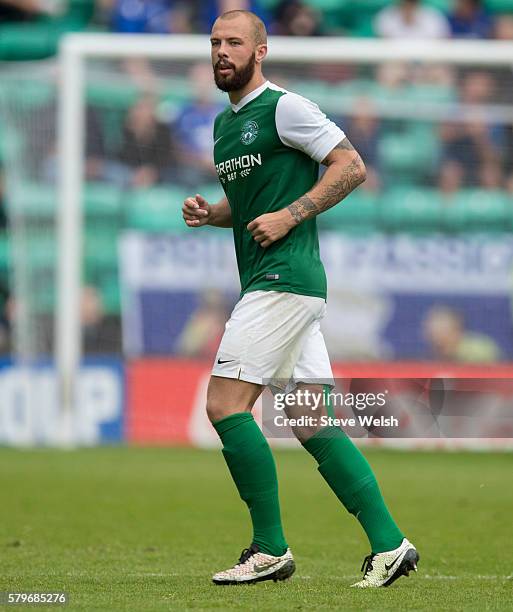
<point x="196" y="211"/>
<point x="270" y="227"/>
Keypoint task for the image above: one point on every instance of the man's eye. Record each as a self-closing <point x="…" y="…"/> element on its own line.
<point x="235" y="42"/>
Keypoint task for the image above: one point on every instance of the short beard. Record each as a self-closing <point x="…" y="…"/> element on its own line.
<point x="238" y="79"/>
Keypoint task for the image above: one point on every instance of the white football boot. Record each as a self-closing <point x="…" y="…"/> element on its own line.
<point x="382" y="569"/>
<point x="255" y="566"/>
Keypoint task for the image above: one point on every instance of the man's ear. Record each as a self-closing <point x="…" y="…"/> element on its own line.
<point x="260" y="53"/>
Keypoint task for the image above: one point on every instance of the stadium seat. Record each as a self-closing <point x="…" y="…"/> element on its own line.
<point x="499" y="6"/>
<point x="327" y="5"/>
<point x="100" y="250"/>
<point x="487" y="208"/>
<point x="157" y="209"/>
<point x="477" y="210"/>
<point x="358" y="214"/>
<point x="409" y="155"/>
<point x="102" y="200"/>
<point x="411" y="209"/>
<point x="317" y="91"/>
<point x="109" y="286"/>
<point x="42" y="252"/>
<point x="22" y="41"/>
<point x="21" y="94"/>
<point x="442" y="5"/>
<point x="177" y="90"/>
<point x="4" y="253"/>
<point x="112" y="95"/>
<point x="428" y="93"/>
<point x="34" y="200"/>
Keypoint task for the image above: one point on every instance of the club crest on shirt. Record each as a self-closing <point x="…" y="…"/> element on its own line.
<point x="249" y="131"/>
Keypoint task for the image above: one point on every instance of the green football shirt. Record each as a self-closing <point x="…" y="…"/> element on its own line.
<point x="267" y="151"/>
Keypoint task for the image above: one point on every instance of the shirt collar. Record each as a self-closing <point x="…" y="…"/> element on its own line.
<point x="250" y="96"/>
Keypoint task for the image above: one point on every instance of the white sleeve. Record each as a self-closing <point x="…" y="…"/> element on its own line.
<point x="302" y="125"/>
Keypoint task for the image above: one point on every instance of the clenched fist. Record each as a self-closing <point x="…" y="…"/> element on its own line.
<point x="270" y="227"/>
<point x="196" y="211"/>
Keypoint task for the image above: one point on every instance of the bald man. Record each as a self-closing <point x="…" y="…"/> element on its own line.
<point x="268" y="145"/>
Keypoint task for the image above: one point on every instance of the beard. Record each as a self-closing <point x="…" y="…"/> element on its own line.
<point x="239" y="77"/>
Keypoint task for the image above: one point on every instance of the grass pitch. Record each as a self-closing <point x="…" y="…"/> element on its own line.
<point x="143" y="529"/>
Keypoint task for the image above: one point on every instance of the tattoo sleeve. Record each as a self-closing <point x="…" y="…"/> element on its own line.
<point x="332" y="188"/>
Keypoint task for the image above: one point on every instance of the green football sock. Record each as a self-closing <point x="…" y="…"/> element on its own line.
<point x="252" y="467"/>
<point x="350" y="477"/>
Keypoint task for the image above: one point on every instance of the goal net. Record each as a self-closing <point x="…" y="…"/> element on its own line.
<point x="100" y="148"/>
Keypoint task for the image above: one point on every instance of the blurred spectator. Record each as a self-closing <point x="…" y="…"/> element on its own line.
<point x="201" y="335"/>
<point x="469" y="19"/>
<point x="476" y="141"/>
<point x="409" y="19"/>
<point x="100" y="333"/>
<point x="503" y="27"/>
<point x="41" y="146"/>
<point x="364" y="130"/>
<point x="509" y="184"/>
<point x="25" y="10"/>
<point x="209" y="10"/>
<point x="146" y="149"/>
<point x="146" y="16"/>
<point x="295" y="18"/>
<point x="490" y="176"/>
<point x="194" y="128"/>
<point x="3" y="203"/>
<point x="5" y="320"/>
<point x="450" y="177"/>
<point x="444" y="329"/>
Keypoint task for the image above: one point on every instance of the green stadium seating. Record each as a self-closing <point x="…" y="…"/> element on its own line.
<point x="34" y="200"/>
<point x="414" y="209"/>
<point x="409" y="155"/>
<point x="27" y="41"/>
<point x="358" y="214"/>
<point x="328" y="5"/>
<point x="25" y="94"/>
<point x="499" y="6"/>
<point x="4" y="253"/>
<point x="102" y="200"/>
<point x="477" y="210"/>
<point x="157" y="209"/>
<point x="40" y="248"/>
<point x="318" y="91"/>
<point x="442" y="5"/>
<point x="109" y="286"/>
<point x="100" y="255"/>
<point x="112" y="95"/>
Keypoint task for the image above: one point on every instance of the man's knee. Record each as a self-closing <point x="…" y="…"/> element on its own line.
<point x="227" y="396"/>
<point x="216" y="409"/>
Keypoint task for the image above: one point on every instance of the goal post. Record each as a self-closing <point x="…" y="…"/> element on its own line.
<point x="76" y="49"/>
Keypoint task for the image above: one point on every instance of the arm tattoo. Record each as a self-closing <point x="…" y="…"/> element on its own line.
<point x="302" y="208"/>
<point x="350" y="177"/>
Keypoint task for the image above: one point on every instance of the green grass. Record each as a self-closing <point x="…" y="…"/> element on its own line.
<point x="143" y="529"/>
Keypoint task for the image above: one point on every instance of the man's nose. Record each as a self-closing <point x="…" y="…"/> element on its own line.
<point x="222" y="53"/>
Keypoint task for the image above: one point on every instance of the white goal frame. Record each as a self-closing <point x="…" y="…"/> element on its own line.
<point x="75" y="49"/>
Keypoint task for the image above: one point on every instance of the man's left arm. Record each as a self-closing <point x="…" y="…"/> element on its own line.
<point x="345" y="171"/>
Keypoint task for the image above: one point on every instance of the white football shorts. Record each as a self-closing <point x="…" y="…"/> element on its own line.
<point x="274" y="338"/>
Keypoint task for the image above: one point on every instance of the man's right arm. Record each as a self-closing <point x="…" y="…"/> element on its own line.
<point x="198" y="212"/>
